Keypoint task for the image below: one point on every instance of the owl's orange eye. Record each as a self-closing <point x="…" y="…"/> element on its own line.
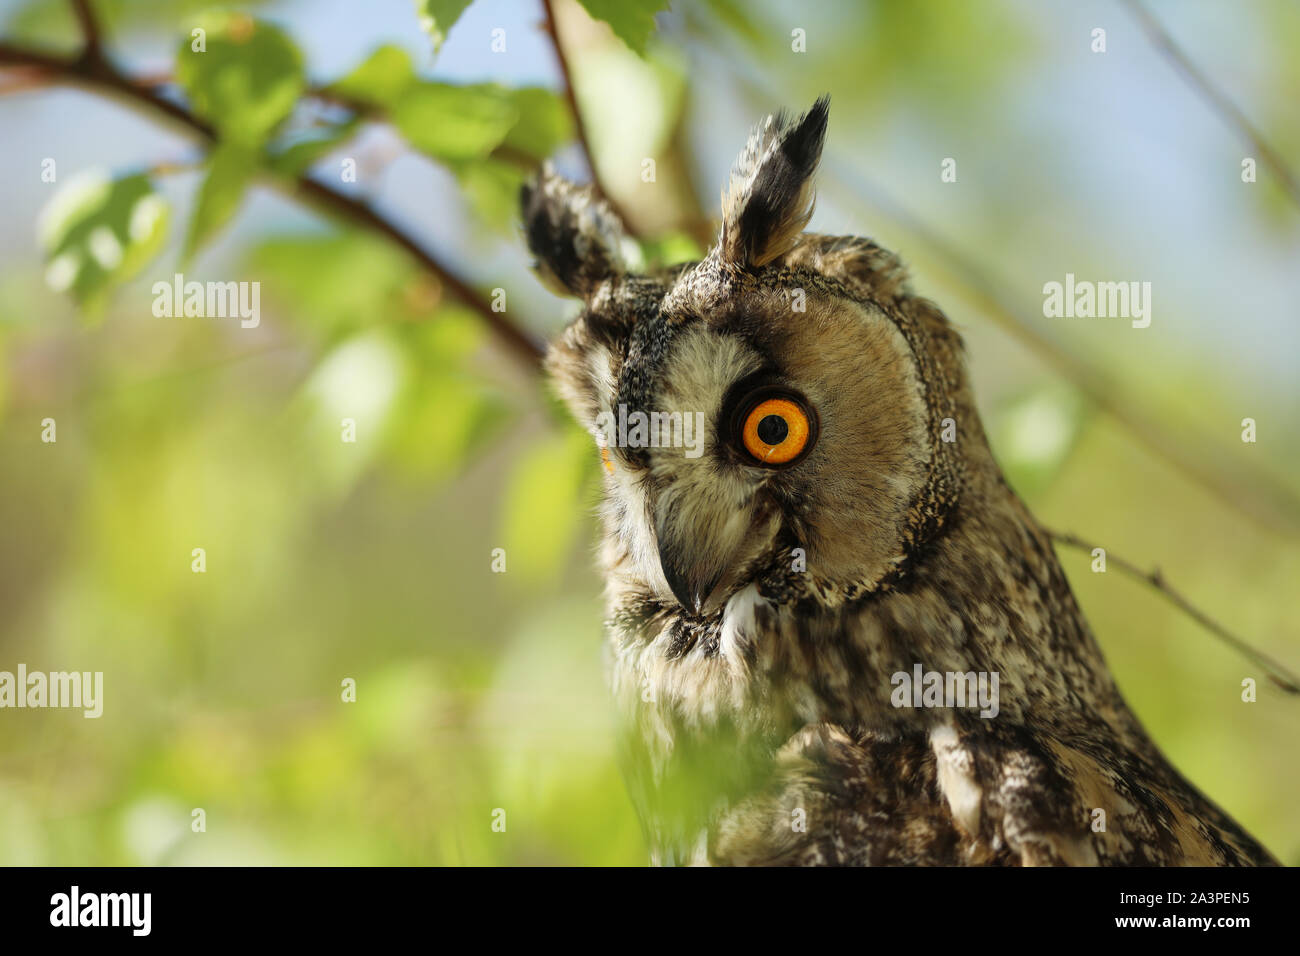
<point x="777" y="430"/>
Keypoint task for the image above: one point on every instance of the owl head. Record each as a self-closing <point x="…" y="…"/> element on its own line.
<point x="783" y="413"/>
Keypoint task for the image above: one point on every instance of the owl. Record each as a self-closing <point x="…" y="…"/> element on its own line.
<point x="836" y="636"/>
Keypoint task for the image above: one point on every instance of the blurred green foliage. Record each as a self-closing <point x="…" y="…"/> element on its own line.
<point x="97" y="232"/>
<point x="373" y="560"/>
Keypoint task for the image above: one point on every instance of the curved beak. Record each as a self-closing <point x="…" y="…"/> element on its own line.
<point x="691" y="583"/>
<point x="697" y="544"/>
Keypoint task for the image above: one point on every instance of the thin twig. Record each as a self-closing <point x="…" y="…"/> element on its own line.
<point x="1274" y="670"/>
<point x="89" y="30"/>
<point x="580" y="125"/>
<point x="1218" y="100"/>
<point x="96" y="73"/>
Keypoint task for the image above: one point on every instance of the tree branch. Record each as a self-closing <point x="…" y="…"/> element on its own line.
<point x="97" y="74"/>
<point x="1275" y="671"/>
<point x="92" y="50"/>
<point x="580" y="125"/>
<point x="1217" y="100"/>
<point x="20" y="79"/>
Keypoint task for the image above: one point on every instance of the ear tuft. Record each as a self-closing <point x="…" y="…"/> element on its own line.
<point x="769" y="198"/>
<point x="575" y="236"/>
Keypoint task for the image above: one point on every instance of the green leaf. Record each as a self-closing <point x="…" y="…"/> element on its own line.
<point x="492" y="190"/>
<point x="360" y="378"/>
<point x="246" y="80"/>
<point x="445" y="340"/>
<point x="543" y="504"/>
<point x="544" y="122"/>
<point x="97" y="232"/>
<point x="441" y="422"/>
<point x="380" y="79"/>
<point x="437" y="17"/>
<point x="449" y="411"/>
<point x="330" y="286"/>
<point x="297" y="157"/>
<point x="230" y="169"/>
<point x="631" y="20"/>
<point x="454" y="122"/>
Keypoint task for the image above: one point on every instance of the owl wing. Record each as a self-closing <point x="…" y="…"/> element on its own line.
<point x="837" y="799"/>
<point x="1138" y="810"/>
<point x="986" y="797"/>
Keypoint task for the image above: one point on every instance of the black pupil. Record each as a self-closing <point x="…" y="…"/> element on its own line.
<point x="772" y="430"/>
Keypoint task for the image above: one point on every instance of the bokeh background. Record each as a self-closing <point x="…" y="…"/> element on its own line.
<point x="372" y="560"/>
